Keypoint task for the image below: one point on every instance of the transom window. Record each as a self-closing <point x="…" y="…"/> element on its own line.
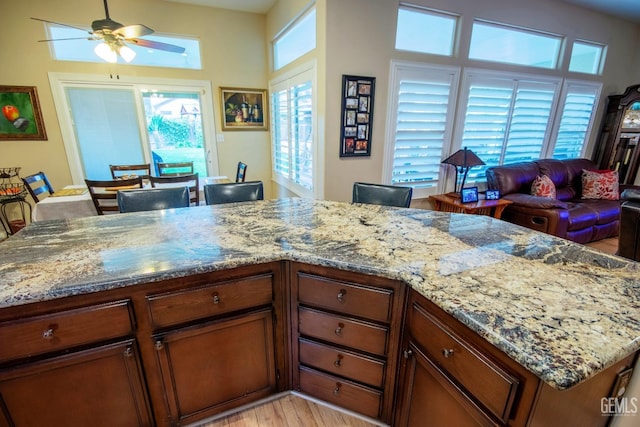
<point x="426" y="31"/>
<point x="511" y="45"/>
<point x="83" y="49"/>
<point x="586" y="57"/>
<point x="295" y="41"/>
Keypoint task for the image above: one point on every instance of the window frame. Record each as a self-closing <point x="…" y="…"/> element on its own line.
<point x="304" y="72"/>
<point x="431" y="13"/>
<point x="397" y="68"/>
<point x="288" y="30"/>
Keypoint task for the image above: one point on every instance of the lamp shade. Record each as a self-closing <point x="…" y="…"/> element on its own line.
<point x="464" y="158"/>
<point x="105" y="52"/>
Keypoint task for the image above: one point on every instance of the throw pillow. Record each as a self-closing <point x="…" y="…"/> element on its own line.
<point x="600" y="185"/>
<point x="543" y="187"/>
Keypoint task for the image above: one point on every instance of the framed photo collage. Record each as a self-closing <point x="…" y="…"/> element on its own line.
<point x="357" y="115"/>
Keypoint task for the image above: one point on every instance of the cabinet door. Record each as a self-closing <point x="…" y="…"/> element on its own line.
<point x="209" y="368"/>
<point x="97" y="387"/>
<point x="429" y="398"/>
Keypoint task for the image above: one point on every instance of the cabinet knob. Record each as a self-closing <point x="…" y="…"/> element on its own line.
<point x="407" y="353"/>
<point x="338" y="361"/>
<point x="337" y="389"/>
<point x="341" y="295"/>
<point x="338" y="330"/>
<point x="128" y="352"/>
<point x="447" y="352"/>
<point x="48" y="334"/>
<point x="216" y="299"/>
<point x="159" y="345"/>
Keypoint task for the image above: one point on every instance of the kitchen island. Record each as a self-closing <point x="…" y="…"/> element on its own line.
<point x="560" y="310"/>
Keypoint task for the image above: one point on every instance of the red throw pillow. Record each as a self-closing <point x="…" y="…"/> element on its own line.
<point x="600" y="185"/>
<point x="543" y="187"/>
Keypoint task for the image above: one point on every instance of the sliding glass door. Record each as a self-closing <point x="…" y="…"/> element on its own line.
<point x="134" y="122"/>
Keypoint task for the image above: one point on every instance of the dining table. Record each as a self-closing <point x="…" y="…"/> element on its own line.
<point x="74" y="201"/>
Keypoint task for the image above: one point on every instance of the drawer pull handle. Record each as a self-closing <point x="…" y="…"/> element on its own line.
<point x="447" y="352"/>
<point x="337" y="389"/>
<point x="341" y="295"/>
<point x="159" y="345"/>
<point x="338" y="361"/>
<point x="48" y="334"/>
<point x="338" y="330"/>
<point x="216" y="299"/>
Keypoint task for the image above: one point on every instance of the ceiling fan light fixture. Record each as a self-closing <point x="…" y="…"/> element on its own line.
<point x="127" y="53"/>
<point x="105" y="52"/>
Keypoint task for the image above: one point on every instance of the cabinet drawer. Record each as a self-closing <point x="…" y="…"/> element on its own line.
<point x="484" y="381"/>
<point x="344" y="363"/>
<point x="344" y="331"/>
<point x="176" y="307"/>
<point x="343" y="393"/>
<point x="65" y="329"/>
<point x="347" y="298"/>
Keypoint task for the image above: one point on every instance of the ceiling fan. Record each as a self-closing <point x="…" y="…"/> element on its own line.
<point x="115" y="37"/>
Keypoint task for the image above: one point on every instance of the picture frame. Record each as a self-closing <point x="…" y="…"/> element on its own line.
<point x="469" y="195"/>
<point x="244" y="109"/>
<point x="356" y="115"/>
<point x="492" y="195"/>
<point x="21" y="118"/>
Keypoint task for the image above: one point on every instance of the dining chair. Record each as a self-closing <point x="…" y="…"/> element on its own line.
<point x="192" y="181"/>
<point x="215" y="194"/>
<point x="378" y="194"/>
<point x="37" y="185"/>
<point x="104" y="193"/>
<point x="150" y="199"/>
<point x="241" y="172"/>
<point x="175" y="168"/>
<point x="131" y="171"/>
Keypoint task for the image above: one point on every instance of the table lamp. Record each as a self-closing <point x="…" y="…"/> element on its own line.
<point x="462" y="160"/>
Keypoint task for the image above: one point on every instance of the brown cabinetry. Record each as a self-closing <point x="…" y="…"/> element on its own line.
<point x="617" y="145"/>
<point x="345" y="331"/>
<point x="451" y="376"/>
<point x="74" y="367"/>
<point x="219" y="352"/>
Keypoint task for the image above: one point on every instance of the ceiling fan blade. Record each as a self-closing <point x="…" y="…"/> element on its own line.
<point x="71" y="38"/>
<point x="157" y="45"/>
<point x="131" y="31"/>
<point x="60" y="23"/>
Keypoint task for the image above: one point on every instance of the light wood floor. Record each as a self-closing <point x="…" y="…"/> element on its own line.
<point x="606" y="245"/>
<point x="289" y="411"/>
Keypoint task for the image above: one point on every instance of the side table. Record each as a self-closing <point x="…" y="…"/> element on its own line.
<point x="446" y="203"/>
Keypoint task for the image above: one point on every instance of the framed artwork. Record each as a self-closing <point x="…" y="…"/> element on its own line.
<point x="244" y="109"/>
<point x="356" y="115"/>
<point x="492" y="194"/>
<point x="21" y="118"/>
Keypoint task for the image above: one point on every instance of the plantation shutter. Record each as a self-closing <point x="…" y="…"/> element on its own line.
<point x="423" y="124"/>
<point x="507" y="120"/>
<point x="575" y="120"/>
<point x="292" y="130"/>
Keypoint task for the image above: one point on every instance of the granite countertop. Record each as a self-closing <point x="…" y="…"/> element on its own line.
<point x="560" y="309"/>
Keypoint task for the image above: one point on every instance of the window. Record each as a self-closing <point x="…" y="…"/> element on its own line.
<point x="424" y="106"/>
<point x="82" y="49"/>
<point x="295" y="41"/>
<point x="586" y="58"/>
<point x="506" y="119"/>
<point x="579" y="101"/>
<point x="133" y="121"/>
<point x="293" y="132"/>
<point x="426" y="31"/>
<point x="510" y="45"/>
